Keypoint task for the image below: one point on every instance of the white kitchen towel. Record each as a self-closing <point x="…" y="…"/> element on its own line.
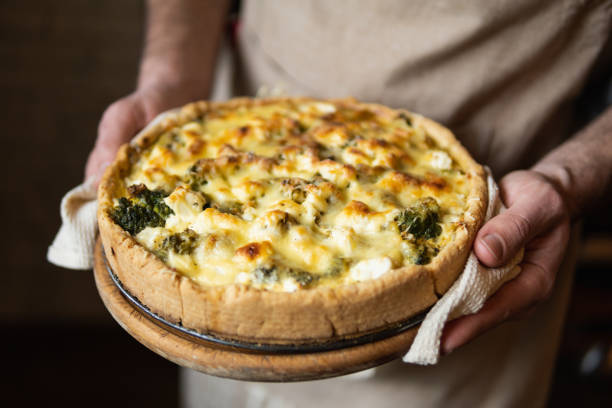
<point x="466" y="296"/>
<point x="74" y="243"/>
<point x="73" y="248"/>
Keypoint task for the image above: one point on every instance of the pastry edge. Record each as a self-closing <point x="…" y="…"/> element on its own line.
<point x="321" y="313"/>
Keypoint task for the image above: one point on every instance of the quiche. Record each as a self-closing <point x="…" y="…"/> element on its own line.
<point x="290" y="220"/>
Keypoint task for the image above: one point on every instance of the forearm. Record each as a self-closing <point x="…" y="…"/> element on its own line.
<point x="181" y="44"/>
<point x="581" y="168"/>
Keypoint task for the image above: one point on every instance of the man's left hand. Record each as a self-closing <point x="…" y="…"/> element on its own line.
<point x="537" y="219"/>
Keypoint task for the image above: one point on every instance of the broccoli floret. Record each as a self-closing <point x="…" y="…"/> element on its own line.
<point x="230" y="207"/>
<point x="194" y="179"/>
<point x="421" y="252"/>
<point x="272" y="274"/>
<point x="144" y="208"/>
<point x="277" y="273"/>
<point x="405" y="118"/>
<point x="299" y="195"/>
<point x="337" y="267"/>
<point x="420" y="220"/>
<point x="418" y="225"/>
<point x="265" y="274"/>
<point x="182" y="243"/>
<point x="303" y="278"/>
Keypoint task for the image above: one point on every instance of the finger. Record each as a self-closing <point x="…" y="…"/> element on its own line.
<point x="517" y="297"/>
<point x="534" y="208"/>
<point x="119" y="123"/>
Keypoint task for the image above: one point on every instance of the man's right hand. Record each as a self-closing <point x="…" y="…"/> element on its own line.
<point x="126" y="117"/>
<point x="182" y="39"/>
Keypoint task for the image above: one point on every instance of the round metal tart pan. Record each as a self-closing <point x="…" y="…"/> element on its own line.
<point x="242" y="360"/>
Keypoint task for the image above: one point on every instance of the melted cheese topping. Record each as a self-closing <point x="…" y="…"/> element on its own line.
<point x="289" y="195"/>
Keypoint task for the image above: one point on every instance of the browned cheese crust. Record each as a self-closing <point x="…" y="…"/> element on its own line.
<point x="320" y="313"/>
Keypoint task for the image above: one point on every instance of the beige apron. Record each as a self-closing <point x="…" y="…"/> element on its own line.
<point x="509" y="366"/>
<point x="502" y="75"/>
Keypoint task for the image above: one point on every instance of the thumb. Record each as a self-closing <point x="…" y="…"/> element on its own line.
<point x="502" y="237"/>
<point x="121" y="121"/>
<point x="534" y="207"/>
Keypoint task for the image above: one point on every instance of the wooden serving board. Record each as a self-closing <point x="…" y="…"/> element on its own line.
<point x="237" y="363"/>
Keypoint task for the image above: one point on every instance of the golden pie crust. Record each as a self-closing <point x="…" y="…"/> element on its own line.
<point x="321" y="313"/>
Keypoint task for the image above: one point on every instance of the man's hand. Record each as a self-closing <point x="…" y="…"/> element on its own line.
<point x="182" y="39"/>
<point x="537" y="219"/>
<point x="125" y="117"/>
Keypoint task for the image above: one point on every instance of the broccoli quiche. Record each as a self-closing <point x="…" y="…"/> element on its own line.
<point x="290" y="220"/>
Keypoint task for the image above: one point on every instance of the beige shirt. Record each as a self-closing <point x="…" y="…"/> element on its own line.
<point x="503" y="75"/>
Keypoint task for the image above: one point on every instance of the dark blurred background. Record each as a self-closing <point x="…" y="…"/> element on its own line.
<point x="61" y="64"/>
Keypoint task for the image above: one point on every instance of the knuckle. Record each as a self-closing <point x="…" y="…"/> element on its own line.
<point x="122" y="112"/>
<point x="540" y="282"/>
<point x="110" y="114"/>
<point x="118" y="107"/>
<point x="554" y="201"/>
<point x="520" y="224"/>
<point x="115" y="107"/>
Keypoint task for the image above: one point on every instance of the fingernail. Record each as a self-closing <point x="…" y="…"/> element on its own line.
<point x="494" y="245"/>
